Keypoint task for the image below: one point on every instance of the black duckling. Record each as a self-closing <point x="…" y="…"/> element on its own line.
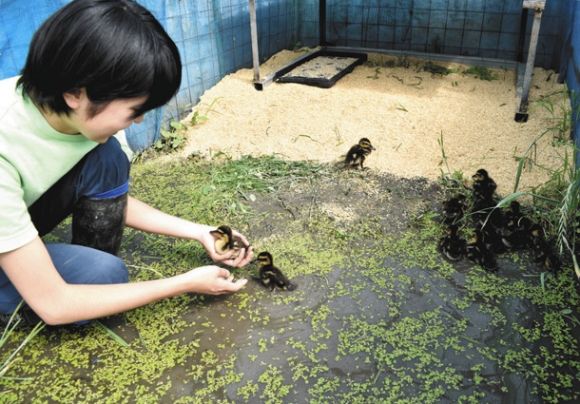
<point x="492" y="237"/>
<point x="512" y="215"/>
<point x="483" y="186"/>
<point x="225" y="241"/>
<point x="553" y="263"/>
<point x="488" y="219"/>
<point x="538" y="243"/>
<point x="480" y="254"/>
<point x="546" y="256"/>
<point x="454" y="208"/>
<point x="358" y="153"/>
<point x="485" y="211"/>
<point x="451" y="245"/>
<point x="542" y="251"/>
<point x="271" y="276"/>
<point x="519" y="237"/>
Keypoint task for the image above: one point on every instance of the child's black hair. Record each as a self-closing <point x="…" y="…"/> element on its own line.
<point x="115" y="49"/>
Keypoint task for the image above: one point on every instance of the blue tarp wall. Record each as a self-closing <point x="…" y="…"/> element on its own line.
<point x="214" y="36"/>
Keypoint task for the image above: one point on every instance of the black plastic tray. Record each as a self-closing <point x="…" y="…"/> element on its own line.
<point x="318" y="81"/>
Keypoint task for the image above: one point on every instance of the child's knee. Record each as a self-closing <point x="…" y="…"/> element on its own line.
<point x="113" y="270"/>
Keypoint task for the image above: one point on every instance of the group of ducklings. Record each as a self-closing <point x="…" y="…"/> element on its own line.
<point x="495" y="230"/>
<point x="270" y="276"/>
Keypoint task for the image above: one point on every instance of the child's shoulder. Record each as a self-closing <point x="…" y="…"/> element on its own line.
<point x="9" y="93"/>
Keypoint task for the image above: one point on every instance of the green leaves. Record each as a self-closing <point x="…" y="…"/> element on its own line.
<point x="171" y="139"/>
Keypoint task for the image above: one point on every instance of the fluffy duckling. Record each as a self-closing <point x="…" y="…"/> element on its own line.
<point x="454" y="209"/>
<point x="271" y="276"/>
<point x="488" y="219"/>
<point x="538" y="242"/>
<point x="483" y="186"/>
<point x="553" y="263"/>
<point x="547" y="257"/>
<point x="512" y="215"/>
<point x="519" y="237"/>
<point x="485" y="211"/>
<point x="225" y="241"/>
<point x="358" y="153"/>
<point x="480" y="254"/>
<point x="451" y="245"/>
<point x="542" y="251"/>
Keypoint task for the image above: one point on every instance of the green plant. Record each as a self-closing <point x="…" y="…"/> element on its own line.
<point x="173" y="138"/>
<point x="556" y="103"/>
<point x="401" y="108"/>
<point x="196" y="118"/>
<point x="559" y="196"/>
<point x="376" y="75"/>
<point x="8" y="331"/>
<point x="451" y="180"/>
<point x="403" y="61"/>
<point x="437" y="69"/>
<point x="482" y="72"/>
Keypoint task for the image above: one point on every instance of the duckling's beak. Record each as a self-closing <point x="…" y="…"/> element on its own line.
<point x="253" y="261"/>
<point x="373" y="147"/>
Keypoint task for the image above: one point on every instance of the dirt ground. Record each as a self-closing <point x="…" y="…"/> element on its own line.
<point x="404" y="110"/>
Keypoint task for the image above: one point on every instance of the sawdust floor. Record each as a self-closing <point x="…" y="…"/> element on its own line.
<point x="406" y="112"/>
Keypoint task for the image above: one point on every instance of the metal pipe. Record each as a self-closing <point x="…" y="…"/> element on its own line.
<point x="254" y="33"/>
<point x="531" y="56"/>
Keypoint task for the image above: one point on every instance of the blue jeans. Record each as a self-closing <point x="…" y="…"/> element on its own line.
<point x="102" y="173"/>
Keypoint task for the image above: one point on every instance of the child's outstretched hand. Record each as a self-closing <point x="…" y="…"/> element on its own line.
<point x="212" y="280"/>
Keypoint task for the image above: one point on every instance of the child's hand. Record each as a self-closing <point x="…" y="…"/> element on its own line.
<point x="208" y="242"/>
<point x="213" y="280"/>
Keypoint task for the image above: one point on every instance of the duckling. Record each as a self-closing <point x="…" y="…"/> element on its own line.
<point x="517" y="240"/>
<point x="480" y="254"/>
<point x="520" y="236"/>
<point x="538" y="242"/>
<point x="545" y="255"/>
<point x="483" y="186"/>
<point x="225" y="241"/>
<point x="492" y="237"/>
<point x="451" y="245"/>
<point x="553" y="263"/>
<point x="488" y="219"/>
<point x="271" y="276"/>
<point x="512" y="215"/>
<point x="454" y="209"/>
<point x="358" y="153"/>
<point x="485" y="211"/>
<point x="542" y="251"/>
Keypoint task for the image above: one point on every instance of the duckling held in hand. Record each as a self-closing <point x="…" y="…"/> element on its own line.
<point x="226" y="241"/>
<point x="358" y="153"/>
<point x="451" y="245"/>
<point x="271" y="276"/>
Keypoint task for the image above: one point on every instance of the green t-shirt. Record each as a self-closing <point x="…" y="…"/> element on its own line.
<point x="33" y="156"/>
